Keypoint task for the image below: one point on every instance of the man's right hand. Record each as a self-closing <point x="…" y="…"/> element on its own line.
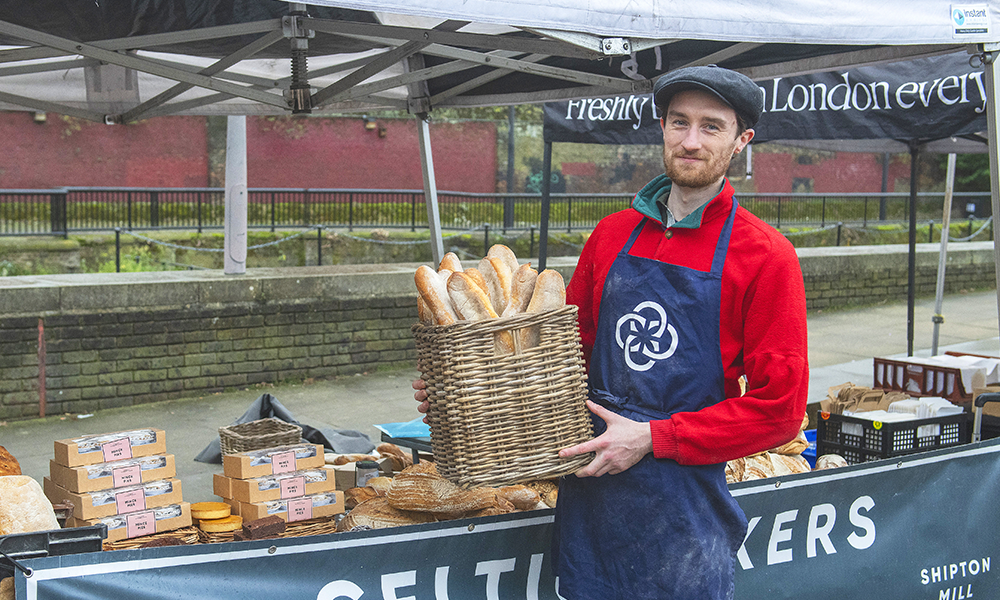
<point x="420" y="395"/>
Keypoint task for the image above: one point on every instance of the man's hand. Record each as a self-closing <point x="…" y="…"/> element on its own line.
<point x="621" y="446"/>
<point x="421" y="396"/>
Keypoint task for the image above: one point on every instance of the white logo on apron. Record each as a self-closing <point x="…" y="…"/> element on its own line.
<point x="642" y="336"/>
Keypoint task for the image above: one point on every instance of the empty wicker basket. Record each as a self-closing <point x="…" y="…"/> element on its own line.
<point x="256" y="435"/>
<point x="502" y="419"/>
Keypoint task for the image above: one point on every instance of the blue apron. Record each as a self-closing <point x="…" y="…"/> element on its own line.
<point x="658" y="530"/>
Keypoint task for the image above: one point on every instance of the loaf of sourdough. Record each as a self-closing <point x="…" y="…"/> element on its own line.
<point x="377" y="513"/>
<point x="8" y="464"/>
<point x="24" y="507"/>
<point x="421" y="489"/>
<point x="521" y="496"/>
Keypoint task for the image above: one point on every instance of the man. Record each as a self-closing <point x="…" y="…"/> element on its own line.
<point x="679" y="296"/>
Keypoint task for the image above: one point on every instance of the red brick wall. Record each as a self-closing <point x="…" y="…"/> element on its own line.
<point x="846" y="172"/>
<point x="164" y="152"/>
<point x="281" y="152"/>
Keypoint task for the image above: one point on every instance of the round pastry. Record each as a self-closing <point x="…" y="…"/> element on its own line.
<point x="210" y="510"/>
<point x="230" y="523"/>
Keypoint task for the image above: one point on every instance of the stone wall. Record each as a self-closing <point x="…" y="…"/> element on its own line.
<point x="112" y="340"/>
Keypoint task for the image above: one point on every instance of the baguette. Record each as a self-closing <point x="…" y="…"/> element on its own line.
<point x="478" y="278"/>
<point x="521" y="289"/>
<point x="505" y="254"/>
<point x="451" y="263"/>
<point x="498" y="282"/>
<point x="424" y="312"/>
<point x="549" y="294"/>
<point x="433" y="288"/>
<point x="472" y="304"/>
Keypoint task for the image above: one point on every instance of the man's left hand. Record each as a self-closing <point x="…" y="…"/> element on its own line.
<point x="621" y="446"/>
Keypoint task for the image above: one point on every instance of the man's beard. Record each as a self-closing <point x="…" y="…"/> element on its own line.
<point x="702" y="174"/>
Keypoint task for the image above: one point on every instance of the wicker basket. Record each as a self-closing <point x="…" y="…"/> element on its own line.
<point x="500" y="420"/>
<point x="256" y="435"/>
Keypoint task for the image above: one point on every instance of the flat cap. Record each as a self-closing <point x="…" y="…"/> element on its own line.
<point x="735" y="89"/>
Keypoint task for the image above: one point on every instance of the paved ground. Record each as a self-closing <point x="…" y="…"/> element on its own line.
<point x="841" y="346"/>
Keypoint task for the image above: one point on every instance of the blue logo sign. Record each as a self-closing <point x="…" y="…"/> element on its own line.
<point x="959" y="17"/>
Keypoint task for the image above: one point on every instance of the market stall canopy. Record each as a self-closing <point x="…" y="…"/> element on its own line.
<point x="939" y="102"/>
<point x="124" y="60"/>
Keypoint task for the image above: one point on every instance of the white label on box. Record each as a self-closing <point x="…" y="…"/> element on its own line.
<point x="130" y="501"/>
<point x="932" y="430"/>
<point x="283" y="462"/>
<point x="143" y="523"/>
<point x="117" y="450"/>
<point x="300" y="510"/>
<point x="293" y="487"/>
<point x="855" y="429"/>
<point x="123" y="476"/>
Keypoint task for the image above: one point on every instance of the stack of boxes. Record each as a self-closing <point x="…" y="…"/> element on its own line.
<point x="125" y="480"/>
<point x="288" y="481"/>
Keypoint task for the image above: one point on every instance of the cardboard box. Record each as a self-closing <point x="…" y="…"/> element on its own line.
<point x="222" y="485"/>
<point x="295" y="509"/>
<point x="990" y="408"/>
<point x="146" y="522"/>
<point x="346" y="475"/>
<point x="116" y="501"/>
<point x="273" y="461"/>
<point x="107" y="447"/>
<point x="281" y="486"/>
<point x="104" y="476"/>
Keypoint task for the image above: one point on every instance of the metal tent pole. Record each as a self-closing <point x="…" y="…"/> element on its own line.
<point x="430" y="190"/>
<point x="543" y="236"/>
<point x="912" y="267"/>
<point x="236" y="196"/>
<point x="949" y="190"/>
<point x="992" y="121"/>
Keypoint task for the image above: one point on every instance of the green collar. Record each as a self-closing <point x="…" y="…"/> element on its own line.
<point x="651" y="201"/>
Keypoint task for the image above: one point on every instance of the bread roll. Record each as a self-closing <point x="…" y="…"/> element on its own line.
<point x="549" y="294"/>
<point x="498" y="278"/>
<point x="830" y="461"/>
<point x="797" y="445"/>
<point x="522" y="287"/>
<point x="451" y="263"/>
<point x="505" y="254"/>
<point x="24" y="507"/>
<point x="358" y="495"/>
<point x="433" y="288"/>
<point x="8" y="464"/>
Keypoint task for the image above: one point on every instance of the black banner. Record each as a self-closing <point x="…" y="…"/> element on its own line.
<point x="923" y="526"/>
<point x="924" y="99"/>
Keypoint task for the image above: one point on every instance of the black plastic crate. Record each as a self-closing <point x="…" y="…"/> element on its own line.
<point x="862" y="440"/>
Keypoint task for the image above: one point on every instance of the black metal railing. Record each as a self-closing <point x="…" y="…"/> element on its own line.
<point x="67" y="210"/>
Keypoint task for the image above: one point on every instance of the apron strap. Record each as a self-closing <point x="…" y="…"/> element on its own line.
<point x="635" y="235"/>
<point x="723" y="244"/>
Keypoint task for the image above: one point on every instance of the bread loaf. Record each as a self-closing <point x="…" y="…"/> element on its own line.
<point x="451" y="263"/>
<point x="505" y="254"/>
<point x="421" y="489"/>
<point x="377" y="513"/>
<point x="549" y="294"/>
<point x="522" y="287"/>
<point x="424" y="312"/>
<point x="343" y="459"/>
<point x="498" y="279"/>
<point x="8" y="464"/>
<point x="400" y="459"/>
<point x="357" y="495"/>
<point x="7" y="588"/>
<point x="521" y="496"/>
<point x="433" y="288"/>
<point x="830" y="461"/>
<point x="797" y="445"/>
<point x="24" y="507"/>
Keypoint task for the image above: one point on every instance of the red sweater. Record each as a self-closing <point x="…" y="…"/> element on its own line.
<point x="762" y="327"/>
